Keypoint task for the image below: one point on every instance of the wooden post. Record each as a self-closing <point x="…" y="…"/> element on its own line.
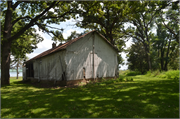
<point x="93" y="58"/>
<point x="64" y="76"/>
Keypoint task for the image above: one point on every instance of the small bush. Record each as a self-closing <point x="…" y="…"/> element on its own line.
<point x="123" y="72"/>
<point x="148" y="73"/>
<point x="155" y="73"/>
<point x="172" y="74"/>
<point x="120" y="78"/>
<point x="133" y="73"/>
<point x="131" y="79"/>
<point x="162" y="75"/>
<point x="127" y="79"/>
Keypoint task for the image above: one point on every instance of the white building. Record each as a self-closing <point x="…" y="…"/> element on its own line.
<point x="87" y="57"/>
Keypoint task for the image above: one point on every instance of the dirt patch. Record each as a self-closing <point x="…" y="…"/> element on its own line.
<point x="45" y="85"/>
<point x="62" y="84"/>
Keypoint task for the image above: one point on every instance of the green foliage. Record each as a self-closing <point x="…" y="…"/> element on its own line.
<point x="153" y="73"/>
<point x="171" y="74"/>
<point x="148" y="73"/>
<point x="137" y="58"/>
<point x="129" y="73"/>
<point x="120" y="78"/>
<point x="123" y="72"/>
<point x="141" y="21"/>
<point x="133" y="73"/>
<point x="26" y="43"/>
<point x="153" y="51"/>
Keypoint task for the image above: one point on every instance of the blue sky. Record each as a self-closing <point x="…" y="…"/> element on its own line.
<point x="68" y="27"/>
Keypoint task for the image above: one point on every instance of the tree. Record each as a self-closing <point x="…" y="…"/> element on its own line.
<point x="17" y="63"/>
<point x="106" y="17"/>
<point x="22" y="46"/>
<point x="136" y="58"/>
<point x="165" y="42"/>
<point x="142" y="18"/>
<point x="172" y="16"/>
<point x="26" y="43"/>
<point x="162" y="46"/>
<point x="30" y="13"/>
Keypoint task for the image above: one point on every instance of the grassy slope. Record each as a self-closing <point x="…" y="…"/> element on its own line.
<point x="145" y="97"/>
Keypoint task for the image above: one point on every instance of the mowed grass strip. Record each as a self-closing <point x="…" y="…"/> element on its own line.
<point x="144" y="97"/>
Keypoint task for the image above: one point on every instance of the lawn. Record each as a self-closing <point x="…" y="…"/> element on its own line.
<point x="144" y="97"/>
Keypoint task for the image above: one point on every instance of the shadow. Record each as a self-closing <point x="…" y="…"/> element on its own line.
<point x="137" y="99"/>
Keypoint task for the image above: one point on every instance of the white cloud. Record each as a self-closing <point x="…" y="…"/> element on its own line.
<point x="129" y="43"/>
<point x="47" y="42"/>
<point x="123" y="54"/>
<point x="32" y="55"/>
<point x="42" y="46"/>
<point x="68" y="32"/>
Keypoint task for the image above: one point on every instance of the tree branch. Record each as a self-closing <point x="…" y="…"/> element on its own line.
<point x="31" y="23"/>
<point x="133" y="36"/>
<point x="47" y="31"/>
<point x="20" y="19"/>
<point x="53" y="17"/>
<point x="53" y="27"/>
<point x="16" y="4"/>
<point x="168" y="26"/>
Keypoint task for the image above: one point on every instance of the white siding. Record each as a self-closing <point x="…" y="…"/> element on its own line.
<point x="105" y="57"/>
<point x="50" y="67"/>
<point x="79" y="55"/>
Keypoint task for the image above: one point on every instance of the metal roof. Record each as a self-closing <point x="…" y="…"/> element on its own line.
<point x="63" y="46"/>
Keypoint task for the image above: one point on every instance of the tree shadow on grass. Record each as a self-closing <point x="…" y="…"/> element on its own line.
<point x="138" y="99"/>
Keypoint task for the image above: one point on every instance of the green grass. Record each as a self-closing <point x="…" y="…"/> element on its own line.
<point x="144" y="97"/>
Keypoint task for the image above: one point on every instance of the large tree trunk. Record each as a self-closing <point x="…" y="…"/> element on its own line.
<point x="148" y="56"/>
<point x="6" y="46"/>
<point x="167" y="53"/>
<point x="5" y="65"/>
<point x="162" y="60"/>
<point x="149" y="61"/>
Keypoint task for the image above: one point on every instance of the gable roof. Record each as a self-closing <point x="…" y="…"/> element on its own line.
<point x="63" y="46"/>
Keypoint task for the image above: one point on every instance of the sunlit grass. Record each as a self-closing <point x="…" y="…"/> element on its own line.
<point x="144" y="97"/>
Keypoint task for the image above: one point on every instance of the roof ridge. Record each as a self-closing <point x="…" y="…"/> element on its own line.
<point x="59" y="47"/>
<point x="64" y="45"/>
